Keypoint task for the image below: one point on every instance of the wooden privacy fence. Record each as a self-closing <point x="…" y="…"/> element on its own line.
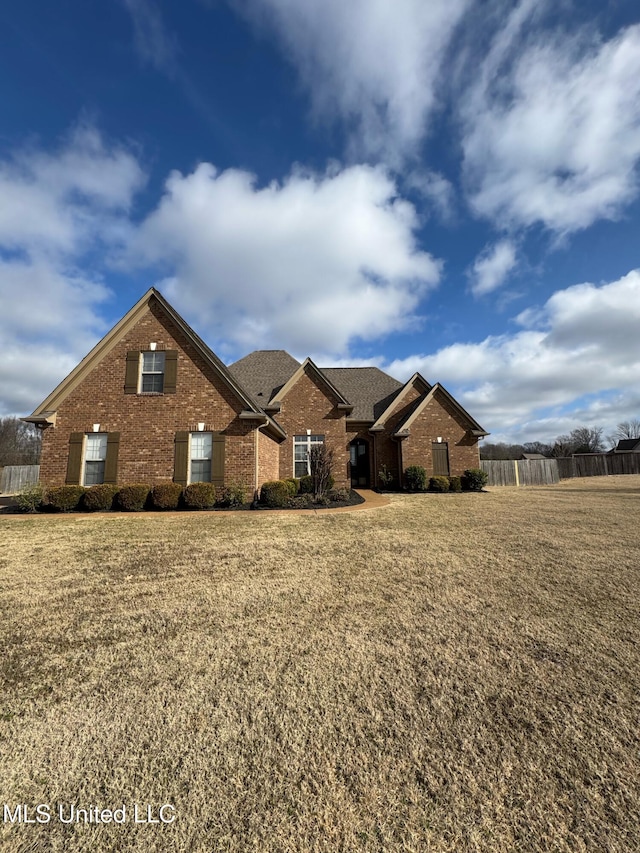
<point x="521" y="472"/>
<point x="16" y="477"/>
<point x="599" y="464"/>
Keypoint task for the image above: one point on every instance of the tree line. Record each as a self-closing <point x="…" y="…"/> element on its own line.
<point x="19" y="442"/>
<point x="583" y="439"/>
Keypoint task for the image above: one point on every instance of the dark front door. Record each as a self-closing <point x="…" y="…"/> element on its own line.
<point x="359" y="449"/>
<point x="440" y="455"/>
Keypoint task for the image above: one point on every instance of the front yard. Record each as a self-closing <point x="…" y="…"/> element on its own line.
<point x="450" y="673"/>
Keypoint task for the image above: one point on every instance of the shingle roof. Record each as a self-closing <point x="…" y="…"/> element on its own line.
<point x="627" y="444"/>
<point x="369" y="389"/>
<point x="263" y="372"/>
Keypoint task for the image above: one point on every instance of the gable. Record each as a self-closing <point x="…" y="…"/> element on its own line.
<point x="157" y="315"/>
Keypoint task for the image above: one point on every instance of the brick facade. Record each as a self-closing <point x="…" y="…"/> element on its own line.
<point x="205" y="392"/>
<point x="311" y="405"/>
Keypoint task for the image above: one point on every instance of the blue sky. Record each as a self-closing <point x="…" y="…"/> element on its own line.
<point x="451" y="187"/>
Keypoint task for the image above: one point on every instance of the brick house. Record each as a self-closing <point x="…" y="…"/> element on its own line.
<point x="152" y="402"/>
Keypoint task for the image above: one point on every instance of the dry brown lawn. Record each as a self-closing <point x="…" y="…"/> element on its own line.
<point x="450" y="673"/>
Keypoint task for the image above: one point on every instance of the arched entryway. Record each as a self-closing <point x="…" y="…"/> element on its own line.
<point x="359" y="458"/>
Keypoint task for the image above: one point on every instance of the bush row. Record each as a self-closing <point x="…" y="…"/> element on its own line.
<point x="297" y="493"/>
<point x="130" y="498"/>
<point x="473" y="480"/>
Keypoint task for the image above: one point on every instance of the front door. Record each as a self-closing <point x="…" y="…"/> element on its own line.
<point x="359" y="450"/>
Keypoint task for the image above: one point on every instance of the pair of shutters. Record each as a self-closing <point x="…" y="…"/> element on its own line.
<point x="74" y="461"/>
<point x="181" y="465"/>
<point x="132" y="372"/>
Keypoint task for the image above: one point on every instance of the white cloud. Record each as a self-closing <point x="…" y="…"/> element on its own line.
<point x="492" y="267"/>
<point x="55" y="207"/>
<point x="552" y="126"/>
<point x="585" y="343"/>
<point x="374" y="64"/>
<point x="309" y="264"/>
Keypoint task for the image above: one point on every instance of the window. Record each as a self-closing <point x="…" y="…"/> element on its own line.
<point x="200" y="462"/>
<point x="95" y="455"/>
<point x="152" y="379"/>
<point x="302" y="445"/>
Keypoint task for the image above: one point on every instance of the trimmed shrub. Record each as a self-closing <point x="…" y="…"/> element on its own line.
<point x="474" y="479"/>
<point x="99" y="497"/>
<point x="415" y="478"/>
<point x="235" y="494"/>
<point x="295" y="483"/>
<point x="439" y="484"/>
<point x="199" y="496"/>
<point x="63" y="498"/>
<point x="455" y="484"/>
<point x="306" y="484"/>
<point x="299" y="502"/>
<point x="339" y="495"/>
<point x="30" y="498"/>
<point x="166" y="495"/>
<point x="133" y="498"/>
<point x="276" y="493"/>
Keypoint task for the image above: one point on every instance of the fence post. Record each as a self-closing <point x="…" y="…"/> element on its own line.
<point x="515" y="464"/>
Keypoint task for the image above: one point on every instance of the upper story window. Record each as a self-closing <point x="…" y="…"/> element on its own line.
<point x="95" y="455"/>
<point x="152" y="373"/>
<point x="302" y="445"/>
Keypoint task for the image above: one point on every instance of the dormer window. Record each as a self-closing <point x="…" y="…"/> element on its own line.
<point x="152" y="374"/>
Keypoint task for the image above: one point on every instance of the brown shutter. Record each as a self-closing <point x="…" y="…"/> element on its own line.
<point x="74" y="462"/>
<point x="217" y="459"/>
<point x="181" y="461"/>
<point x="111" y="462"/>
<point x="131" y="373"/>
<point x="170" y="371"/>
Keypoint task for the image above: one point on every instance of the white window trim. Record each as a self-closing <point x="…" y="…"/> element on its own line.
<point x="85" y="444"/>
<point x="142" y="371"/>
<point x="309" y="443"/>
<point x="198" y="433"/>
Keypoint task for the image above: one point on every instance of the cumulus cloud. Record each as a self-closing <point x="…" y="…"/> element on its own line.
<point x="492" y="267"/>
<point x="552" y="126"/>
<point x="582" y="342"/>
<point x="309" y="264"/>
<point x="371" y="63"/>
<point x="56" y="207"/>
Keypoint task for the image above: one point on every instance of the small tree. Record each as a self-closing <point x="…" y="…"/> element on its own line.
<point x="320" y="463"/>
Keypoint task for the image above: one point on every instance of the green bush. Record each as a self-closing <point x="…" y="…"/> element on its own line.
<point x="63" y="498"/>
<point x="306" y="484"/>
<point x="30" y="498"/>
<point x="455" y="484"/>
<point x="133" y="498"/>
<point x="199" y="496"/>
<point x="439" y="484"/>
<point x="235" y="494"/>
<point x="473" y="480"/>
<point x="294" y="482"/>
<point x="99" y="497"/>
<point x="276" y="493"/>
<point x="299" y="502"/>
<point x="166" y="495"/>
<point x="415" y="478"/>
<point x="339" y="495"/>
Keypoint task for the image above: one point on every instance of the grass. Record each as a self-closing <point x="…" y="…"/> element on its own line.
<point x="450" y="673"/>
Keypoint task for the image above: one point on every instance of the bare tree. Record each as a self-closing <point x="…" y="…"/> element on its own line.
<point x="320" y="463"/>
<point x="19" y="442"/>
<point x="580" y="440"/>
<point x="627" y="429"/>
